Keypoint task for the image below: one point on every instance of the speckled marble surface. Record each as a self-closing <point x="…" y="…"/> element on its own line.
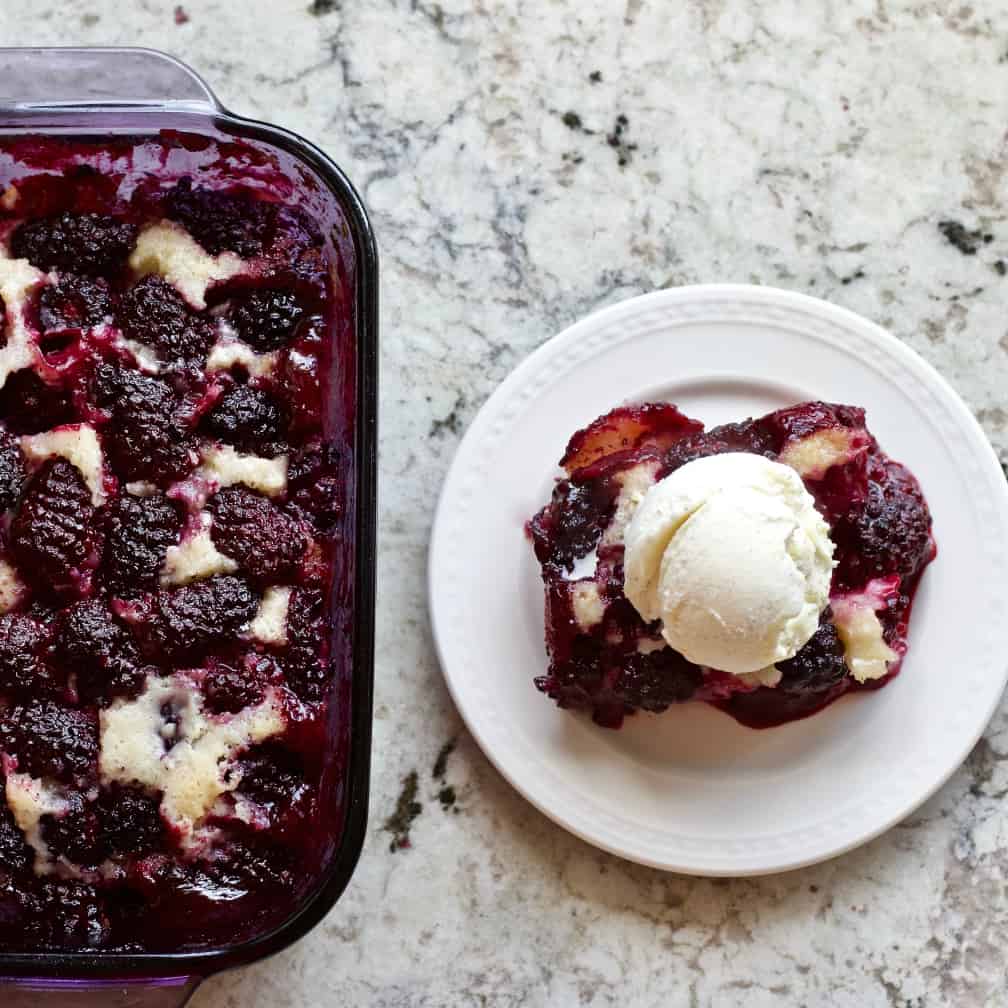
<point x="815" y="146"/>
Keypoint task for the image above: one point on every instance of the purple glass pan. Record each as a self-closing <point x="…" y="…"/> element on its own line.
<point x="103" y="93"/>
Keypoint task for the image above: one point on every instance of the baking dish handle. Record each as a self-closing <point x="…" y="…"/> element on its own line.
<point x="36" y="77"/>
<point x="168" y="993"/>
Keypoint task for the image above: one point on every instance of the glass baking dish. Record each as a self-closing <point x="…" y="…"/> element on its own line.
<point x="91" y="93"/>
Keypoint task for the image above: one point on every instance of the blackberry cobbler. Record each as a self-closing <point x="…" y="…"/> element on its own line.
<point x="172" y="482"/>
<point x="766" y="567"/>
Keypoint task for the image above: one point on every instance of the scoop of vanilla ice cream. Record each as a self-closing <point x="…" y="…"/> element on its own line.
<point x="730" y="553"/>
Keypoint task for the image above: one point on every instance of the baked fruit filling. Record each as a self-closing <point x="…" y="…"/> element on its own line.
<point x="171" y="498"/>
<point x="864" y="538"/>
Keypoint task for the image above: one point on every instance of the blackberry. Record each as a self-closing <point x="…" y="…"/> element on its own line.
<point x="15" y="854"/>
<point x="248" y="418"/>
<point x="138" y="532"/>
<point x="74" y="302"/>
<point x="129" y="821"/>
<point x="146" y="440"/>
<point x="101" y="652"/>
<point x="185" y="622"/>
<point x="655" y="681"/>
<point x="578" y="678"/>
<point x="12" y="470"/>
<point x="23" y="644"/>
<point x="266" y="542"/>
<point x="220" y="221"/>
<point x="51" y="740"/>
<point x="315" y="483"/>
<point x="228" y="690"/>
<point x="52" y="533"/>
<point x="273" y="777"/>
<point x="816" y="676"/>
<point x="305" y="660"/>
<point x="75" y="834"/>
<point x="259" y="867"/>
<point x="73" y="914"/>
<point x="740" y="437"/>
<point x="889" y="532"/>
<point x="29" y="405"/>
<point x="571" y="525"/>
<point x="79" y="243"/>
<point x="152" y="312"/>
<point x="819" y="666"/>
<point x="266" y="319"/>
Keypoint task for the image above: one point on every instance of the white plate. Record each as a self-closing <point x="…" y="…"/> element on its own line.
<point x="691" y="790"/>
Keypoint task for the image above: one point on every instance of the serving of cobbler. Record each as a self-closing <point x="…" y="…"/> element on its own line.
<point x="172" y="479"/>
<point x="608" y="659"/>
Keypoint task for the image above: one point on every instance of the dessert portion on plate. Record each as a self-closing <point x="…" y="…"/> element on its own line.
<point x="766" y="567"/>
<point x="172" y="500"/>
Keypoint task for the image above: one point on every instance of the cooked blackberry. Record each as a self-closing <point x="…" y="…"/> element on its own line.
<point x="74" y="302"/>
<point x="80" y="243"/>
<point x="228" y="689"/>
<point x="12" y="470"/>
<point x="248" y="418"/>
<point x="655" y="681"/>
<point x="74" y="915"/>
<point x="221" y="221"/>
<point x="273" y="777"/>
<point x="266" y="319"/>
<point x="51" y="740"/>
<point x="75" y="834"/>
<point x="571" y="525"/>
<point x="146" y="439"/>
<point x="819" y="665"/>
<point x="90" y="642"/>
<point x="315" y="483"/>
<point x="52" y="535"/>
<point x="29" y="405"/>
<point x="267" y="543"/>
<point x="24" y="643"/>
<point x="305" y="660"/>
<point x="15" y="854"/>
<point x="184" y="623"/>
<point x="129" y="821"/>
<point x="887" y="533"/>
<point x="138" y="532"/>
<point x="152" y="312"/>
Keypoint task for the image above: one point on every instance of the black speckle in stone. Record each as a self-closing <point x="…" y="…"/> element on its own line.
<point x="617" y="140"/>
<point x="406" y="810"/>
<point x="958" y="235"/>
<point x="441" y="763"/>
<point x="1000" y="267"/>
<point x="572" y="120"/>
<point x="595" y="76"/>
<point x="452" y="423"/>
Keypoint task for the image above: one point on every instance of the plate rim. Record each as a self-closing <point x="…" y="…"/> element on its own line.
<point x="769" y="297"/>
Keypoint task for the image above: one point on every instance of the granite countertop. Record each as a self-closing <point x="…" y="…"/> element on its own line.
<point x="525" y="163"/>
